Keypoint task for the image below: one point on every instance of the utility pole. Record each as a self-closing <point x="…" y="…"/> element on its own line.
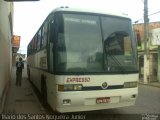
<point x="146" y="45"/>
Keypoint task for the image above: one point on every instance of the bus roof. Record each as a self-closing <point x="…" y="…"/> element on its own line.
<point x="67" y="9"/>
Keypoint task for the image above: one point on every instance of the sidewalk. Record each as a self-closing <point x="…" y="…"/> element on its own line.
<point x="21" y="99"/>
<point x="154" y="84"/>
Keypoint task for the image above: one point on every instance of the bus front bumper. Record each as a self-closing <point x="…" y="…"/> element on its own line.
<point x="95" y="100"/>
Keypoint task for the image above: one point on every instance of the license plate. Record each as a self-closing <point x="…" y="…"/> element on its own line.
<point x="103" y="100"/>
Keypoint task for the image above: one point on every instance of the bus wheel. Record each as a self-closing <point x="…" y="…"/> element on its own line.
<point x="43" y="90"/>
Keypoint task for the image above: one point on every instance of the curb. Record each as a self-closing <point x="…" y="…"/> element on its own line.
<point x="150" y="84"/>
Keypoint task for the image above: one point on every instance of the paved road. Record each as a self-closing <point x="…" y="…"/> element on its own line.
<point x="148" y="101"/>
<point x="147" y="104"/>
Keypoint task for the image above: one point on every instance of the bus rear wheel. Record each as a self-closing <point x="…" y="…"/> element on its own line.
<point x="43" y="90"/>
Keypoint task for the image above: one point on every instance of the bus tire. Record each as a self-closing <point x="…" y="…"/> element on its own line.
<point x="43" y="89"/>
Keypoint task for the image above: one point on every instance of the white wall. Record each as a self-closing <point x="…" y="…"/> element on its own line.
<point x="5" y="49"/>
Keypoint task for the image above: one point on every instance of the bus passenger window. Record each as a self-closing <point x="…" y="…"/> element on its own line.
<point x="39" y="40"/>
<point x="44" y="34"/>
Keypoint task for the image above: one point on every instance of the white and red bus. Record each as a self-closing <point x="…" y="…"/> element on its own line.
<point x="84" y="60"/>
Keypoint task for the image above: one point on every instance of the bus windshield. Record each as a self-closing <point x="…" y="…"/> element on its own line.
<point x="94" y="44"/>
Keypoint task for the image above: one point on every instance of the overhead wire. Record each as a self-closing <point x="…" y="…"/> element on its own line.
<point x="154" y="13"/>
<point x="148" y="15"/>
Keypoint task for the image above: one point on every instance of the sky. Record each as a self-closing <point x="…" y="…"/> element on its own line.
<point x="28" y="16"/>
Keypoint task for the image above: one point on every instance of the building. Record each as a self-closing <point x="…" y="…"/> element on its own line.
<point x="153" y="50"/>
<point x="6" y="27"/>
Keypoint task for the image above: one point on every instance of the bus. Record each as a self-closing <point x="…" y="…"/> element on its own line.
<point x="83" y="60"/>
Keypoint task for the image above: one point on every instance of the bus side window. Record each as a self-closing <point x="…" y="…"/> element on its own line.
<point x="50" y="45"/>
<point x="29" y="49"/>
<point x="32" y="49"/>
<point x="44" y="34"/>
<point x="35" y="42"/>
<point x="39" y="39"/>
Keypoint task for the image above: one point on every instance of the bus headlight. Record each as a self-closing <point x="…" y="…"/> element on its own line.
<point x="70" y="87"/>
<point x="130" y="84"/>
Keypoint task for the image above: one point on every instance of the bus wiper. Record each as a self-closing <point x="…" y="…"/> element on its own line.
<point x="117" y="62"/>
<point x="113" y="41"/>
